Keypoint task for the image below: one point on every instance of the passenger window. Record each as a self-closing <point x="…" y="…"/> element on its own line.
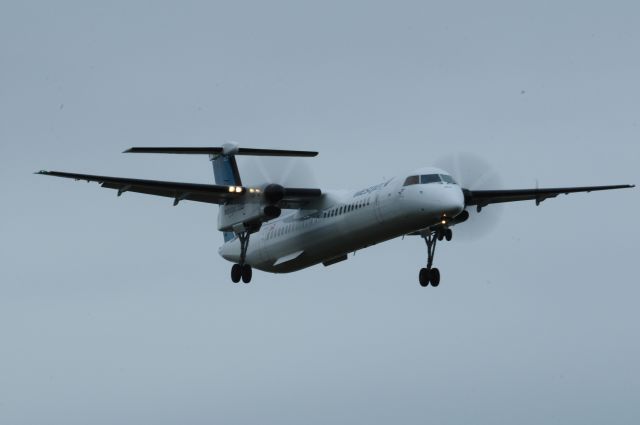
<point x="412" y="180"/>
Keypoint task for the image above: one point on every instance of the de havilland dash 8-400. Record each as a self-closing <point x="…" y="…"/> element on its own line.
<point x="280" y="229"/>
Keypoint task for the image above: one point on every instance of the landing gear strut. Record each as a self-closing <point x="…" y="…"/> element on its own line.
<point x="242" y="271"/>
<point x="431" y="275"/>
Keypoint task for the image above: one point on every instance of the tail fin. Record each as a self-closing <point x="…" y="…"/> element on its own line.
<point x="225" y="172"/>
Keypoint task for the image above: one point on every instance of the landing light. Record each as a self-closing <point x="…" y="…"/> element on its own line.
<point x="444" y="222"/>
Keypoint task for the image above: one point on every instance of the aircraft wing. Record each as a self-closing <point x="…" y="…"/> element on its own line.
<point x="213" y="194"/>
<point x="210" y="193"/>
<point x="298" y="198"/>
<point x="482" y="198"/>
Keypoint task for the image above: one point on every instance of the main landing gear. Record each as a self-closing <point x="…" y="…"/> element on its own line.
<point x="242" y="271"/>
<point x="431" y="275"/>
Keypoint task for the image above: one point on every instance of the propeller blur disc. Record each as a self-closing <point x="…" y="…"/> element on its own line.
<point x="285" y="171"/>
<point x="474" y="173"/>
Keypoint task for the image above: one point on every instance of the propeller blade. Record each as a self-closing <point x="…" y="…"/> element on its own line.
<point x="474" y="173"/>
<point x="287" y="172"/>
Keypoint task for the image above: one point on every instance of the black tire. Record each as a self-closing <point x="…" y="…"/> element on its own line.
<point x="247" y="273"/>
<point x="448" y="234"/>
<point x="236" y="273"/>
<point x="423" y="278"/>
<point x="440" y="234"/>
<point x="434" y="277"/>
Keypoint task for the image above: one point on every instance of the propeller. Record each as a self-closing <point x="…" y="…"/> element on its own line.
<point x="474" y="173"/>
<point x="285" y="171"/>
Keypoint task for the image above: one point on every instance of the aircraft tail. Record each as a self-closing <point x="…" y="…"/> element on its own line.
<point x="225" y="167"/>
<point x="225" y="172"/>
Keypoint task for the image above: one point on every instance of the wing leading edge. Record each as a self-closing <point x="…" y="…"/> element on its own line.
<point x="209" y="193"/>
<point x="482" y="198"/>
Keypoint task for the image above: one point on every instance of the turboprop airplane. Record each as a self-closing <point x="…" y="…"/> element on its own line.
<point x="281" y="229"/>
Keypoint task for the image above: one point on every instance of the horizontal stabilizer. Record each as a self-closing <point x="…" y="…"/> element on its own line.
<point x="226" y="150"/>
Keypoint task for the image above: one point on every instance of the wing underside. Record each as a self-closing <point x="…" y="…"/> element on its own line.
<point x="482" y="198"/>
<point x="209" y="193"/>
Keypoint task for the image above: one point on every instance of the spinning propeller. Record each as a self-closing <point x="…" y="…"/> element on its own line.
<point x="474" y="173"/>
<point x="284" y="171"/>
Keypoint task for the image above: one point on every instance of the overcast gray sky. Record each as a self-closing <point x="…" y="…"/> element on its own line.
<point x="119" y="310"/>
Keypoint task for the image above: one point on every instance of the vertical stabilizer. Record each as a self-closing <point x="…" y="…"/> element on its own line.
<point x="225" y="172"/>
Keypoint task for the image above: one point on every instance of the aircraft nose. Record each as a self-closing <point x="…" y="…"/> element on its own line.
<point x="452" y="201"/>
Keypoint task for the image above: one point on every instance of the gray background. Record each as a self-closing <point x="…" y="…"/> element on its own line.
<point x="118" y="310"/>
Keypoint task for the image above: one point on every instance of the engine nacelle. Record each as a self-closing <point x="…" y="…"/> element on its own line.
<point x="273" y="193"/>
<point x="271" y="211"/>
<point x="252" y="210"/>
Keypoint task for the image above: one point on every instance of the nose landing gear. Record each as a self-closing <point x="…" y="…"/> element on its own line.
<point x="242" y="271"/>
<point x="431" y="275"/>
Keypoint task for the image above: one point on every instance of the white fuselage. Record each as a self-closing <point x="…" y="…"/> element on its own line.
<point x="341" y="222"/>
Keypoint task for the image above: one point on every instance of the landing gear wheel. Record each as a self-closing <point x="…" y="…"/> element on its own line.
<point x="423" y="277"/>
<point x="434" y="277"/>
<point x="242" y="271"/>
<point x="236" y="273"/>
<point x="431" y="275"/>
<point x="246" y="273"/>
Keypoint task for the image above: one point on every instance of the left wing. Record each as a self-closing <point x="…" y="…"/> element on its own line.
<point x="482" y="198"/>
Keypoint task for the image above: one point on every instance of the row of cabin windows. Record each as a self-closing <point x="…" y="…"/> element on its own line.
<point x="429" y="178"/>
<point x="346" y="208"/>
<point x="288" y="228"/>
<point x="331" y="213"/>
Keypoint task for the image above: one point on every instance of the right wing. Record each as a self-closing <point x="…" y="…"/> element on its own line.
<point x="209" y="193"/>
<point x="213" y="194"/>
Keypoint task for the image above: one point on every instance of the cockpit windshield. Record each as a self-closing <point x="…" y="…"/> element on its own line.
<point x="429" y="178"/>
<point x="447" y="179"/>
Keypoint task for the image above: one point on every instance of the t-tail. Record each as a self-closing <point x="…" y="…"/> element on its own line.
<point x="225" y="167"/>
